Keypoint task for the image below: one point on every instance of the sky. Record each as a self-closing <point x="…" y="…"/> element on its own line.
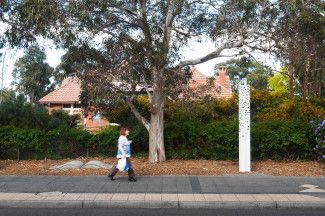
<point x="192" y="51"/>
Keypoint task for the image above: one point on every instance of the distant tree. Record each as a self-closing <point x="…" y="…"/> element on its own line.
<point x="6" y="95"/>
<point x="296" y="36"/>
<point x="32" y="74"/>
<point x="17" y="112"/>
<point x="256" y="72"/>
<point x="279" y="82"/>
<point x="76" y="61"/>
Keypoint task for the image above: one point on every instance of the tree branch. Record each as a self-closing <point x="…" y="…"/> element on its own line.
<point x="137" y="114"/>
<point x="168" y="22"/>
<point x="214" y="54"/>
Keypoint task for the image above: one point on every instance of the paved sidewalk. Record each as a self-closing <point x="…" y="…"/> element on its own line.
<point x="150" y="200"/>
<point x="163" y="191"/>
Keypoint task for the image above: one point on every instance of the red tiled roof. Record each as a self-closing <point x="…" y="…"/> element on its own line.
<point x="197" y="79"/>
<point x="68" y="92"/>
<point x="222" y="84"/>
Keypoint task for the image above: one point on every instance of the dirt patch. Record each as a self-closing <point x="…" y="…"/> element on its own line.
<point x="170" y="167"/>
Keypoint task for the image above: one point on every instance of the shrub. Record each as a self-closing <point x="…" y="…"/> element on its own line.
<point x="18" y="113"/>
<point x="105" y="142"/>
<point x="221" y="140"/>
<point x="22" y="143"/>
<point x="318" y="126"/>
<point x="61" y="119"/>
<point x="281" y="139"/>
<point x="67" y="143"/>
<point x="181" y="139"/>
<point x="140" y="140"/>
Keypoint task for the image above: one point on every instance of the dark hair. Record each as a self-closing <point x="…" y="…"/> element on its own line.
<point x="123" y="131"/>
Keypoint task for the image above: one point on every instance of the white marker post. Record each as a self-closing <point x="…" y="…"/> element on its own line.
<point x="244" y="127"/>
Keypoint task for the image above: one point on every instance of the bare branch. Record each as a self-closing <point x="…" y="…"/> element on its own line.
<point x="168" y="21"/>
<point x="214" y="54"/>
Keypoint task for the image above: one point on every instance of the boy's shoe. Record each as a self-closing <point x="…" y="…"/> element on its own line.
<point x="132" y="179"/>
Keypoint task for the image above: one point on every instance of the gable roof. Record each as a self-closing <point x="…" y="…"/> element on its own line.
<point x="67" y="93"/>
<point x="221" y="82"/>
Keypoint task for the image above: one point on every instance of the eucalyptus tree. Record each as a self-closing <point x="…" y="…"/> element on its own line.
<point x="256" y="72"/>
<point x="296" y="36"/>
<point x="301" y="44"/>
<point x="32" y="74"/>
<point x="129" y="46"/>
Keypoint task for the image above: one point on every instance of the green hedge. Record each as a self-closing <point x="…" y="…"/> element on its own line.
<point x="219" y="140"/>
<point x="104" y="143"/>
<point x="193" y="129"/>
<point x="21" y="143"/>
<point x="186" y="140"/>
<point x="38" y="144"/>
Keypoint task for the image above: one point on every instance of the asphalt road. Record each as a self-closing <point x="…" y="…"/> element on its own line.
<point x="158" y="212"/>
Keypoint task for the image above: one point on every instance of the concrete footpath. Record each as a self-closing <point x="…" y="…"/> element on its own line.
<point x="228" y="191"/>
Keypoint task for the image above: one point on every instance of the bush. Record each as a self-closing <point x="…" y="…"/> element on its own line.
<point x="22" y="143"/>
<point x="62" y="120"/>
<point x="105" y="142"/>
<point x="17" y="112"/>
<point x="219" y="140"/>
<point x="140" y="140"/>
<point x="282" y="139"/>
<point x="70" y="143"/>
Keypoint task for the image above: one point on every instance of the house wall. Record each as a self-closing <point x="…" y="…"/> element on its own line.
<point x="89" y="122"/>
<point x="93" y="124"/>
<point x="54" y="107"/>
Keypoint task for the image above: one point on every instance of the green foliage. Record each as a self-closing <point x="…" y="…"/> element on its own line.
<point x="216" y="140"/>
<point x="7" y="95"/>
<point x="209" y="129"/>
<point x="63" y="143"/>
<point x="21" y="114"/>
<point x="279" y="82"/>
<point x="26" y="140"/>
<point x="104" y="142"/>
<point x="62" y="120"/>
<point x="32" y="75"/>
<point x="195" y="129"/>
<point x="140" y="140"/>
<point x="256" y="72"/>
<point x="17" y="112"/>
<point x="219" y="140"/>
<point x="282" y="139"/>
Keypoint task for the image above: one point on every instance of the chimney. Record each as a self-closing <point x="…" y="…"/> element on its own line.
<point x="222" y="75"/>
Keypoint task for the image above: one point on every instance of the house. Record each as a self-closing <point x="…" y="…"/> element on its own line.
<point x="67" y="98"/>
<point x="220" y="86"/>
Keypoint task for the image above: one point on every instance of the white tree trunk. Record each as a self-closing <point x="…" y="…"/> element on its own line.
<point x="156" y="130"/>
<point x="156" y="136"/>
